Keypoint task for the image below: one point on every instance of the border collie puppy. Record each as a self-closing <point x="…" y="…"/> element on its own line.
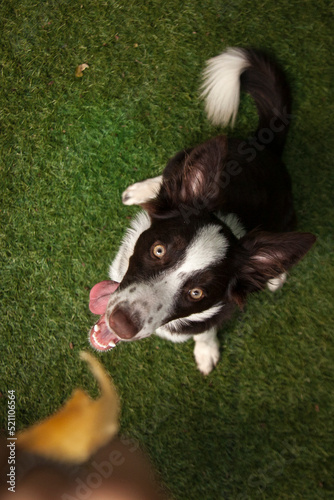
<point x="216" y="226"/>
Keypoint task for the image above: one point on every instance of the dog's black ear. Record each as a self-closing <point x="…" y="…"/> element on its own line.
<point x="261" y="256"/>
<point x="192" y="180"/>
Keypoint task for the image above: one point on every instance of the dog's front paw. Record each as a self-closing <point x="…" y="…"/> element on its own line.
<point x="134" y="194"/>
<point x="276" y="283"/>
<point x="206" y="355"/>
<point x="140" y="192"/>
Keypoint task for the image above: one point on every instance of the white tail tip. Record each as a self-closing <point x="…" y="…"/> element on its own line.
<point x="221" y="85"/>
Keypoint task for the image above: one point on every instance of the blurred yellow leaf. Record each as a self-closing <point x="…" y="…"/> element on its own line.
<point x="79" y="70"/>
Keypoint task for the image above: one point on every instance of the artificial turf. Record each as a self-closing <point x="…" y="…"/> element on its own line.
<point x="261" y="425"/>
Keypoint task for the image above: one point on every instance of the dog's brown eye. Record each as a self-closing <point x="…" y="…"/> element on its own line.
<point x="158" y="250"/>
<point x="196" y="293"/>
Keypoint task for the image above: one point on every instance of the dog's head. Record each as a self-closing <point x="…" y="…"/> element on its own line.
<point x="183" y="268"/>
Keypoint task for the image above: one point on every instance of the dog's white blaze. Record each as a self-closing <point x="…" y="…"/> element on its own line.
<point x="208" y="246"/>
<point x="201" y="316"/>
<point x="221" y="85"/>
<point x="120" y="264"/>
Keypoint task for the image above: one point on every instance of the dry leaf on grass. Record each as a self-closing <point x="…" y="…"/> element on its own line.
<point x="79" y="70"/>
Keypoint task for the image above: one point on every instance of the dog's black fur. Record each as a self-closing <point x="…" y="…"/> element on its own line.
<point x="201" y="187"/>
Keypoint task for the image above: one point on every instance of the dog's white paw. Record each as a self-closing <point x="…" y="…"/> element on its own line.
<point x="276" y="283"/>
<point x="141" y="191"/>
<point x="206" y="355"/>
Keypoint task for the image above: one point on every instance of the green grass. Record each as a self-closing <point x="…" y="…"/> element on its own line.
<point x="261" y="425"/>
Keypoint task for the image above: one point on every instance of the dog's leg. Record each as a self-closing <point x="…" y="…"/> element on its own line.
<point x="206" y="350"/>
<point x="142" y="191"/>
<point x="276" y="283"/>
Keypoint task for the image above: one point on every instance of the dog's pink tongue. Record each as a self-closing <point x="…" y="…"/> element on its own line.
<point x="100" y="336"/>
<point x="100" y="294"/>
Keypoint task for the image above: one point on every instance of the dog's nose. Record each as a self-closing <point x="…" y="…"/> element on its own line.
<point x="122" y="325"/>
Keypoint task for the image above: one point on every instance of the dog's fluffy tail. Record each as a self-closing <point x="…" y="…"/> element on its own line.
<point x="254" y="72"/>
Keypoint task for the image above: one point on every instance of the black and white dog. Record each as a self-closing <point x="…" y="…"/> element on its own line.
<point x="216" y="226"/>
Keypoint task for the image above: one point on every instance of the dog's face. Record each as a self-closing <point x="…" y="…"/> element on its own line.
<point x="171" y="273"/>
<point x="185" y="276"/>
